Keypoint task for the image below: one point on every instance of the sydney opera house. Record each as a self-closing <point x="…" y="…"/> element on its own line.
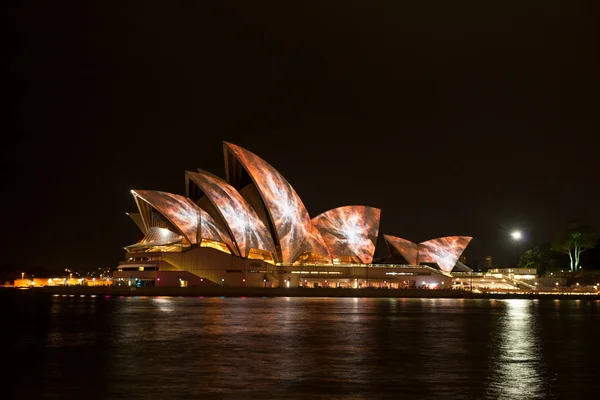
<point x="252" y="229"/>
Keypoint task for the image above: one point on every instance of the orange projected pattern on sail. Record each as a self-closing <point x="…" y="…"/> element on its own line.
<point x="185" y="216"/>
<point x="247" y="230"/>
<point x="444" y="251"/>
<point x="406" y="248"/>
<point x="350" y="231"/>
<point x="294" y="230"/>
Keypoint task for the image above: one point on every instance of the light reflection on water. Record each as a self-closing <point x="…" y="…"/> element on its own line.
<point x="304" y="348"/>
<point x="520" y="371"/>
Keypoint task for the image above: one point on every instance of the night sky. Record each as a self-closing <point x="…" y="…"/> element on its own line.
<point x="455" y="118"/>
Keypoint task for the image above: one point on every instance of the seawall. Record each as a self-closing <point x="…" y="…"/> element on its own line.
<point x="244" y="292"/>
<point x="293" y="292"/>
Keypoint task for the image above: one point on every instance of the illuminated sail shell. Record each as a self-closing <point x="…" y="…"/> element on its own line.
<point x="406" y="248"/>
<point x="350" y="231"/>
<point x="193" y="222"/>
<point x="295" y="233"/>
<point x="444" y="251"/>
<point x="246" y="229"/>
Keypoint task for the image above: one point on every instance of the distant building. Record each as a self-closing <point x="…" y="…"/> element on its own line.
<point x="488" y="262"/>
<point x="61" y="281"/>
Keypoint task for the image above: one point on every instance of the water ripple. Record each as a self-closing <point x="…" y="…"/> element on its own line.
<point x="301" y="348"/>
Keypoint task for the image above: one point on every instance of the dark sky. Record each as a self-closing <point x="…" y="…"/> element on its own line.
<point x="455" y="118"/>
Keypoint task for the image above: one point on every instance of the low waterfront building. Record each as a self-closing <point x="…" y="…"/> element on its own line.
<point x="61" y="281"/>
<point x="514" y="273"/>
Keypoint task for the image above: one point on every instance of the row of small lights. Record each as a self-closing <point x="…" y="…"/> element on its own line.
<point x="535" y="283"/>
<point x="430" y="285"/>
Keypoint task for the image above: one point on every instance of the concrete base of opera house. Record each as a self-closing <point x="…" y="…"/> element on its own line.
<point x="205" y="267"/>
<point x="116" y="291"/>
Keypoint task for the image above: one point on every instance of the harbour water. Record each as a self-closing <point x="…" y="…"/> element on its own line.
<point x="83" y="347"/>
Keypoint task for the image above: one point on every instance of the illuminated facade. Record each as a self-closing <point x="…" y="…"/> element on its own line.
<point x="350" y="232"/>
<point x="406" y="248"/>
<point x="246" y="229"/>
<point x="174" y="214"/>
<point x="253" y="229"/>
<point x="294" y="232"/>
<point x="444" y="251"/>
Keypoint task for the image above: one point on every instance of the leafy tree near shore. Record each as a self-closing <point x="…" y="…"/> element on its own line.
<point x="540" y="257"/>
<point x="574" y="240"/>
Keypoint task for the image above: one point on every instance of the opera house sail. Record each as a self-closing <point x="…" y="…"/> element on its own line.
<point x="444" y="251"/>
<point x="350" y="232"/>
<point x="178" y="214"/>
<point x="294" y="231"/>
<point x="246" y="229"/>
<point x="252" y="228"/>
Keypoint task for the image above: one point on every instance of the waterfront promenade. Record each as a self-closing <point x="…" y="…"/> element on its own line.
<point x="298" y="292"/>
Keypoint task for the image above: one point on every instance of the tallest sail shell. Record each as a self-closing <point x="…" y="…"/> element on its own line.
<point x="295" y="233"/>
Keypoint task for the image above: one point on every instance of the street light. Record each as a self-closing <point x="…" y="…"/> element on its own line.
<point x="517" y="235"/>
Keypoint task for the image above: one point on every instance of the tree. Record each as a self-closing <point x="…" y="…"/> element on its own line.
<point x="575" y="240"/>
<point x="539" y="257"/>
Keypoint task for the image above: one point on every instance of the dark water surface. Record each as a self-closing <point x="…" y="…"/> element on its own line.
<point x="298" y="348"/>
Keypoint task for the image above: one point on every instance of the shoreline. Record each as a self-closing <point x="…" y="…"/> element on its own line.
<point x="290" y="292"/>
